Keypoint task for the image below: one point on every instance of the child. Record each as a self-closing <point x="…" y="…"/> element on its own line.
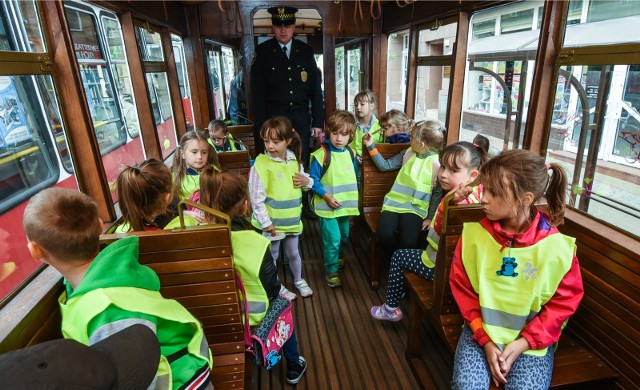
<point x="405" y="206"/>
<point x="515" y="278"/>
<point x="365" y="106"/>
<point x="275" y="183"/>
<point x="253" y="262"/>
<point x="336" y="189"/>
<point x="194" y="153"/>
<point x="395" y="126"/>
<point x="220" y="138"/>
<point x="108" y="291"/>
<point x="144" y="193"/>
<point x="460" y="163"/>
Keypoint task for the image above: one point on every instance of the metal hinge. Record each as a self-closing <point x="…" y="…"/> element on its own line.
<point x="45" y="63"/>
<point x="566" y="57"/>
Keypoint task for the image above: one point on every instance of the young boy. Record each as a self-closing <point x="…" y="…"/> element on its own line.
<point x="220" y="139"/>
<point x="108" y="291"/>
<point x="336" y="190"/>
<point x="365" y="106"/>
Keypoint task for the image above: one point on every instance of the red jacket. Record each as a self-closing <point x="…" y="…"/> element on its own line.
<point x="543" y="330"/>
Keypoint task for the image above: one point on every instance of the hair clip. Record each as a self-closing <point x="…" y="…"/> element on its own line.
<point x="476" y="145"/>
<point x="292" y="129"/>
<point x="547" y="166"/>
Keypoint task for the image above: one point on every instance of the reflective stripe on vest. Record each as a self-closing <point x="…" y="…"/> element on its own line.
<point x="528" y="278"/>
<point x="411" y="191"/>
<point x="283" y="202"/>
<point x="78" y="312"/>
<point x="340" y="182"/>
<point x="247" y="260"/>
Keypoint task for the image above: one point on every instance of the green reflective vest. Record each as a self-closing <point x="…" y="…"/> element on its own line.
<point x="78" y="312"/>
<point x="513" y="283"/>
<point x="232" y="144"/>
<point x="375" y="131"/>
<point x="191" y="183"/>
<point x="411" y="191"/>
<point x="175" y="222"/>
<point x="247" y="260"/>
<point x="283" y="202"/>
<point x="340" y="182"/>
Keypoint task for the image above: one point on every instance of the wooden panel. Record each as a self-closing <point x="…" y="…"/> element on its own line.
<point x="244" y="133"/>
<point x="237" y="162"/>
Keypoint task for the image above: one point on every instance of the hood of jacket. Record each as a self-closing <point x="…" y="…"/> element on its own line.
<point x="117" y="266"/>
<point x="537" y="230"/>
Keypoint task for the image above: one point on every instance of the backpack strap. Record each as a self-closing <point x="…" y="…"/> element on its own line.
<point x="326" y="160"/>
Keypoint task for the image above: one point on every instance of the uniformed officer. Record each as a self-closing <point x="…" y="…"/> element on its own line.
<point x="286" y="81"/>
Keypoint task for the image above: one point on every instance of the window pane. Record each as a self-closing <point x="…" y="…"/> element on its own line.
<point x="340" y="78"/>
<point x="437" y="42"/>
<point x="215" y="89"/>
<point x="354" y="58"/>
<point x="516" y="21"/>
<point x="228" y="71"/>
<point x="601" y="152"/>
<point x="150" y="44"/>
<point x="120" y="68"/>
<point x="30" y="124"/>
<point x="183" y="80"/>
<point x="397" y="63"/>
<point x="432" y="92"/>
<point x="605" y="22"/>
<point x="483" y="29"/>
<point x="20" y="28"/>
<point x="162" y="111"/>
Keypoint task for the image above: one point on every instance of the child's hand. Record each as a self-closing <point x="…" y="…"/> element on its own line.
<point x="425" y="224"/>
<point x="195" y="215"/>
<point x="511" y="352"/>
<point x="492" y="353"/>
<point x="367" y="139"/>
<point x="270" y="230"/>
<point x="300" y="180"/>
<point x="331" y="201"/>
<point x="359" y="158"/>
<point x="461" y="193"/>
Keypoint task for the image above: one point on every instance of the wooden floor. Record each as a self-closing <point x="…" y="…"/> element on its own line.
<point x="344" y="347"/>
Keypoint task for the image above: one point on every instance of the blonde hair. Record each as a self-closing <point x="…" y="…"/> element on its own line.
<point x="340" y="119"/>
<point x="430" y="133"/>
<point x="64" y="222"/>
<point x="366" y="96"/>
<point x="395" y="118"/>
<point x="179" y="166"/>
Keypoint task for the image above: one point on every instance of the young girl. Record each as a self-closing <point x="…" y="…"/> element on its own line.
<point x="460" y="163"/>
<point x="395" y="126"/>
<point x="405" y="206"/>
<point x="254" y="261"/>
<point x="275" y="183"/>
<point x="193" y="154"/>
<point x="220" y="138"/>
<point x="144" y="194"/>
<point x="365" y="107"/>
<point x="515" y="278"/>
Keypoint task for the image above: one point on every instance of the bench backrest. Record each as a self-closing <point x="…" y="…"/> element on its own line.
<point x="446" y="310"/>
<point x="374" y="184"/>
<point x="245" y="134"/>
<point x="235" y="162"/>
<point x="196" y="269"/>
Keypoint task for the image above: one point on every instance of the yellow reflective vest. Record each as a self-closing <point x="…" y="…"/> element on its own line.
<point x="411" y="191"/>
<point x="340" y="182"/>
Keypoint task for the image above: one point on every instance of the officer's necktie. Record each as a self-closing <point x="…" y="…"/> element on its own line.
<point x="284" y="49"/>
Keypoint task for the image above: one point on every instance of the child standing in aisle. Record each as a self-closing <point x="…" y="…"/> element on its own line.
<point x="459" y="167"/>
<point x="276" y="180"/>
<point x="405" y="206"/>
<point x="193" y="154"/>
<point x="516" y="279"/>
<point x="334" y="170"/>
<point x="365" y="107"/>
<point x="221" y="139"/>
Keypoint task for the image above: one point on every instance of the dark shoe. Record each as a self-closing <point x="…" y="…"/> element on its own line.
<point x="308" y="214"/>
<point x="333" y="280"/>
<point x="296" y="371"/>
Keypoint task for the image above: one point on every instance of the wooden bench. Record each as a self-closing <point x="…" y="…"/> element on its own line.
<point x="244" y="133"/>
<point x="574" y="366"/>
<point x="195" y="268"/>
<point x="374" y="186"/>
<point x="235" y="162"/>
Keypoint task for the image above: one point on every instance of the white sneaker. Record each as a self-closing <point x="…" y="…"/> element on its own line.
<point x="303" y="288"/>
<point x="287" y="294"/>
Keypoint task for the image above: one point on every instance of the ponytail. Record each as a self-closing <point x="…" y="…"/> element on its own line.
<point x="556" y="193"/>
<point x="224" y="192"/>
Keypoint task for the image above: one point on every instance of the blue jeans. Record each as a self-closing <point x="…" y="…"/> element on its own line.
<point x="335" y="235"/>
<point x="290" y="349"/>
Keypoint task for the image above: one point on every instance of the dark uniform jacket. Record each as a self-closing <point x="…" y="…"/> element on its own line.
<point x="286" y="86"/>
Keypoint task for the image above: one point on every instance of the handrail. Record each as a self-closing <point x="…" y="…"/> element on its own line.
<point x="206" y="209"/>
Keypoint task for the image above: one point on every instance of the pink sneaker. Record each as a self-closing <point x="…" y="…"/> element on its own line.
<point x="385" y="314"/>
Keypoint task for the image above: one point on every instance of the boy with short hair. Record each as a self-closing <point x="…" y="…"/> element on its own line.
<point x="365" y="107"/>
<point x="221" y="139"/>
<point x="108" y="291"/>
<point x="334" y="169"/>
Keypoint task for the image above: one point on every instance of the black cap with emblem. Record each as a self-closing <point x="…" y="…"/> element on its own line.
<point x="283" y="16"/>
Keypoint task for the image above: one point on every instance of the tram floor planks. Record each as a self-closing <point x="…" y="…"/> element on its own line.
<point x="344" y="347"/>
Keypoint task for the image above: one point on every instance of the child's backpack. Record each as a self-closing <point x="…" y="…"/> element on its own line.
<point x="327" y="158"/>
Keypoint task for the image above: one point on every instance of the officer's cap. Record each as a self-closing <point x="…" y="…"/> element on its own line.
<point x="283" y="16"/>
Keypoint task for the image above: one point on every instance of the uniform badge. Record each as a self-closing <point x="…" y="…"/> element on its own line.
<point x="303" y="76"/>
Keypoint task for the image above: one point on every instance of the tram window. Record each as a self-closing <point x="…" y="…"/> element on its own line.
<point x="216" y="79"/>
<point x="30" y="38"/>
<point x="228" y="71"/>
<point x="340" y="79"/>
<point x="397" y="56"/>
<point x="435" y="49"/>
<point x="604" y="23"/>
<point x="183" y="79"/>
<point x="150" y="44"/>
<point x="158" y="88"/>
